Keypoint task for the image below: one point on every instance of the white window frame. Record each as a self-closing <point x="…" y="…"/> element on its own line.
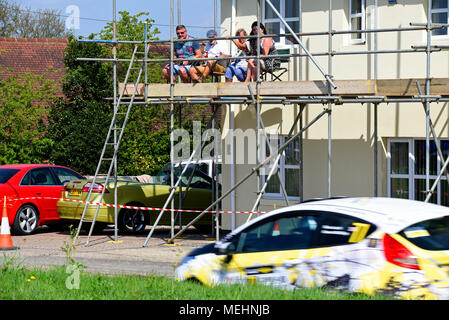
<point x="282" y="43"/>
<point x="412" y="176"/>
<point x="411" y="167"/>
<point x="282" y="166"/>
<point x="441" y="10"/>
<point x="361" y="15"/>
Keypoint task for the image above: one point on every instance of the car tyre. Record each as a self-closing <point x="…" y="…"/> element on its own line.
<point x="26" y="220"/>
<point x="131" y="221"/>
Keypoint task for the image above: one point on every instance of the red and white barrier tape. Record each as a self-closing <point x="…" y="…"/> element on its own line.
<point x="129" y="207"/>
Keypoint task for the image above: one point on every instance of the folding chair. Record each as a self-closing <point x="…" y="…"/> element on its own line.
<point x="277" y="72"/>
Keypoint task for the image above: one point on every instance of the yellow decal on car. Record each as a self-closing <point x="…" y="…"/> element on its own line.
<point x="359" y="233"/>
<point x="417" y="233"/>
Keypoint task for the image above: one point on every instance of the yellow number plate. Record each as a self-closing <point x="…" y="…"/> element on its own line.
<point x="75" y="193"/>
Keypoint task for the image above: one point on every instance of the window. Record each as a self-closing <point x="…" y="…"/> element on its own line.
<point x="285" y="233"/>
<point x="430" y="234"/>
<point x="440" y="14"/>
<point x="289" y="10"/>
<point x="65" y="175"/>
<point x="357" y="20"/>
<point x="39" y="177"/>
<point x="288" y="168"/>
<point x="200" y="179"/>
<point x="6" y="174"/>
<point x="338" y="229"/>
<point x="407" y="170"/>
<point x="301" y="230"/>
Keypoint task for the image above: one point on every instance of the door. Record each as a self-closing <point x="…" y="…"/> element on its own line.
<point x="41" y="183"/>
<point x="268" y="251"/>
<point x="199" y="195"/>
<point x="305" y="249"/>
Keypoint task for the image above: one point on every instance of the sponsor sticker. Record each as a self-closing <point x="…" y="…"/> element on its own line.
<point x="416" y="233"/>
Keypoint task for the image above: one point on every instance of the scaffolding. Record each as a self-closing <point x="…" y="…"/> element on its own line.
<point x="328" y="97"/>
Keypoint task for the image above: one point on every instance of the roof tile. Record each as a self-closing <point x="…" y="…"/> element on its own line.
<point x="36" y="55"/>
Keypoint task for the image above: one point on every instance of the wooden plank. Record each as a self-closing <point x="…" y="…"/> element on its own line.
<point x="388" y="87"/>
<point x="129" y="90"/>
<point x="279" y="88"/>
<point x="408" y="87"/>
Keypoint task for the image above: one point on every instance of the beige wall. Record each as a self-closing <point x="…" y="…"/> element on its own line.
<point x="315" y="18"/>
<point x="352" y="124"/>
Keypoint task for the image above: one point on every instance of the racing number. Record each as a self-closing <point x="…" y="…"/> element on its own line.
<point x="359" y="232"/>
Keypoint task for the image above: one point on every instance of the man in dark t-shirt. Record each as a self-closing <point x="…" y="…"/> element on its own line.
<point x="183" y="50"/>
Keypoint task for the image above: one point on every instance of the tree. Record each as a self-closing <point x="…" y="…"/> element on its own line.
<point x="25" y="102"/>
<point x="132" y="28"/>
<point x="78" y="131"/>
<point x="22" y="22"/>
<point x="77" y="124"/>
<point x="146" y="143"/>
<point x="86" y="80"/>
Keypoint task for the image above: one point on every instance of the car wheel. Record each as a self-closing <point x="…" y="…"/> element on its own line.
<point x="131" y="221"/>
<point x="27" y="218"/>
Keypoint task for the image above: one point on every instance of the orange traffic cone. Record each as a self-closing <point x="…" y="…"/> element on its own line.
<point x="5" y="233"/>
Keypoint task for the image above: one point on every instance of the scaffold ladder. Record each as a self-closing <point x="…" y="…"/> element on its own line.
<point x="112" y="143"/>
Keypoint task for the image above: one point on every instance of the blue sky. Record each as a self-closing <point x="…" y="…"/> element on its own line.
<point x="197" y="20"/>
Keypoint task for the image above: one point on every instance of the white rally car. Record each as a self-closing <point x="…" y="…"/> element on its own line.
<point x="394" y="246"/>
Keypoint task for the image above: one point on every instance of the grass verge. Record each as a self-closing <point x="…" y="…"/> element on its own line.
<point x="18" y="283"/>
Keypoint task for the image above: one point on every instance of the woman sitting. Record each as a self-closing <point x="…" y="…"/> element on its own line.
<point x="239" y="68"/>
<point x="267" y="47"/>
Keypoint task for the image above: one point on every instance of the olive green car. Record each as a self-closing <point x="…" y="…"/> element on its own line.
<point x="133" y="193"/>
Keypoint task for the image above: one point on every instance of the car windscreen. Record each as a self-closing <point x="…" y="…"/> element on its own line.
<point x="6" y="174"/>
<point x="429" y="234"/>
<point x="202" y="179"/>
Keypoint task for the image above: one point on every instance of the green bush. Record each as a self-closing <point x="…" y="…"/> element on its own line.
<point x="24" y="104"/>
<point x="78" y="124"/>
<point x="37" y="126"/>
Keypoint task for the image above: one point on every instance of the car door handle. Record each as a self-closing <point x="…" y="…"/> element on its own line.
<point x="39" y="193"/>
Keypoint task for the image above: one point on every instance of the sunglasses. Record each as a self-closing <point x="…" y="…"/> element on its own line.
<point x="180" y="32"/>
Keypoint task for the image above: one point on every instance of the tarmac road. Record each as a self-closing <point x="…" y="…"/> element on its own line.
<point x="128" y="256"/>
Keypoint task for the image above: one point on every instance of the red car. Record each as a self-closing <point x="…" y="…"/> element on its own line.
<point x="36" y="182"/>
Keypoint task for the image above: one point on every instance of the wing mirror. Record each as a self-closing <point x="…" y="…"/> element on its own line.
<point x="228" y="250"/>
<point x="225" y="249"/>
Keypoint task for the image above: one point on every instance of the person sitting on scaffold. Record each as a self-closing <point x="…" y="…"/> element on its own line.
<point x="183" y="50"/>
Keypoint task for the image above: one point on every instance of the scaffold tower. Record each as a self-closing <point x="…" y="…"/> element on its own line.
<point x="327" y="92"/>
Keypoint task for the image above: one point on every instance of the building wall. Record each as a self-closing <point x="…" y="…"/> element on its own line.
<point x="352" y="124"/>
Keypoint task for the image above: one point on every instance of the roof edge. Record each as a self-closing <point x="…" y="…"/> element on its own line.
<point x="34" y="40"/>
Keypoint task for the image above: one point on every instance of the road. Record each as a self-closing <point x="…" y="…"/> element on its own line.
<point x="103" y="255"/>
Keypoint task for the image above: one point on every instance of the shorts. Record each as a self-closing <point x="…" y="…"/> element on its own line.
<point x="218" y="68"/>
<point x="239" y="72"/>
<point x="176" y="68"/>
